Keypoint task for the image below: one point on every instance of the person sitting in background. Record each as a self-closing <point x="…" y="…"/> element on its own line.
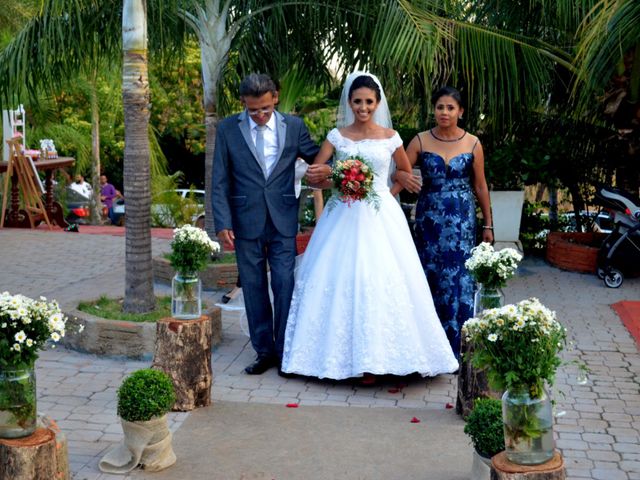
<point x="108" y="194"/>
<point x="83" y="188"/>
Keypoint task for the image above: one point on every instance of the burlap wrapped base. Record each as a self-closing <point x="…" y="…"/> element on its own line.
<point x="145" y="444"/>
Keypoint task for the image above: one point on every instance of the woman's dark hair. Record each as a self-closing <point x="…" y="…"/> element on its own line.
<point x="365" y="81"/>
<point x="444" y="92"/>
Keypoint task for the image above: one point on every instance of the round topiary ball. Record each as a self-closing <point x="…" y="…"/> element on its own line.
<point x="145" y="394"/>
<point x="484" y="426"/>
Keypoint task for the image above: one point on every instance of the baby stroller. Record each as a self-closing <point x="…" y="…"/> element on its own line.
<point x="620" y="251"/>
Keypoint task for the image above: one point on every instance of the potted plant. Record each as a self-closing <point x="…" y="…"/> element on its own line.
<point x="505" y="178"/>
<point x="484" y="427"/>
<point x="26" y="325"/>
<point x="191" y="249"/>
<point x="144" y="399"/>
<point x="519" y="347"/>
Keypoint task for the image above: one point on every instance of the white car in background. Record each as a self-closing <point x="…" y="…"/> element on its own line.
<point x="190" y="202"/>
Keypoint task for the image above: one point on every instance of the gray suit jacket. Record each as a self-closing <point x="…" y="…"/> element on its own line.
<point x="241" y="195"/>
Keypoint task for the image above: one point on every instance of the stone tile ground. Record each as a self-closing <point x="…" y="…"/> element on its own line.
<point x="598" y="422"/>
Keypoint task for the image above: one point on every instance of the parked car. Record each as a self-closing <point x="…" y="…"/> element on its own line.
<point x="591" y="221"/>
<point x="78" y="205"/>
<point x="168" y="209"/>
<point x="117" y="212"/>
<point x="79" y="208"/>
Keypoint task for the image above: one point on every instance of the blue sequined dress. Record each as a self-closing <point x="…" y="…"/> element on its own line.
<point x="445" y="232"/>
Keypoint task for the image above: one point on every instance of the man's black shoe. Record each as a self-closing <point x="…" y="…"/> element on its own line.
<point x="262" y="364"/>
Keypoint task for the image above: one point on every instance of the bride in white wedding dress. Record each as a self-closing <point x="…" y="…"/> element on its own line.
<point x="361" y="303"/>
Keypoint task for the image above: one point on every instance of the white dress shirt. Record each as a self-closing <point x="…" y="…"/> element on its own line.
<point x="270" y="142"/>
<point x="83" y="188"/>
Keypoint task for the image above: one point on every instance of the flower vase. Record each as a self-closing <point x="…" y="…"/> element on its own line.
<point x="17" y="402"/>
<point x="528" y="427"/>
<point x="487" y="297"/>
<point x="186" y="293"/>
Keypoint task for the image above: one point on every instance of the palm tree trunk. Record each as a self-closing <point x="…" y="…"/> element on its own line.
<point x="213" y="60"/>
<point x="211" y="124"/>
<point x="138" y="295"/>
<point x="214" y="37"/>
<point x="96" y="207"/>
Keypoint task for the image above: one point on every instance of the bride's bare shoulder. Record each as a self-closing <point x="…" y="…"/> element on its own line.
<point x="389" y="132"/>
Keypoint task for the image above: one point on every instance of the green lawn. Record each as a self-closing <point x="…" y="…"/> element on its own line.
<point x="111" y="308"/>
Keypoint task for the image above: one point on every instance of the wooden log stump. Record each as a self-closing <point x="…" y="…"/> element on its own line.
<point x="472" y="383"/>
<point x="183" y="351"/>
<point x="62" y="449"/>
<point x="29" y="458"/>
<point x="503" y="469"/>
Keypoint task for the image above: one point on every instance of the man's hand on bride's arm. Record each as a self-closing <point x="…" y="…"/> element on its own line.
<point x="408" y="181"/>
<point x="227" y="237"/>
<point x="317" y="174"/>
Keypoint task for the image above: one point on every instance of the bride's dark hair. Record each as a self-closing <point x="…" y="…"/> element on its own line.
<point x="365" y="81"/>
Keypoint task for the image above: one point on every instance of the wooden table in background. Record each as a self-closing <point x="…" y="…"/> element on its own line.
<point x="18" y="218"/>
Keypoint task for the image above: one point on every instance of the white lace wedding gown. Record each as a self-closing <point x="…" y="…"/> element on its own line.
<point x="361" y="301"/>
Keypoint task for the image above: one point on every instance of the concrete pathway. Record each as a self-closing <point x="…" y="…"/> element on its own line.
<point x="598" y="423"/>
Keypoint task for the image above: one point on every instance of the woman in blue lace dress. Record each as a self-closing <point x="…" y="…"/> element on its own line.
<point x="451" y="163"/>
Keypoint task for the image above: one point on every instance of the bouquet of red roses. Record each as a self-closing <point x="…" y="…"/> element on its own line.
<point x="353" y="177"/>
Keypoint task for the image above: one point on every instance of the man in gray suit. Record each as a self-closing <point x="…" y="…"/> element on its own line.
<point x="255" y="208"/>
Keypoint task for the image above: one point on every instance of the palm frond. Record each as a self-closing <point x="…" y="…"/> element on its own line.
<point x="609" y="31"/>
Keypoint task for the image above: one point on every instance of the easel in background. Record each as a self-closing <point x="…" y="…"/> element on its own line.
<point x="13" y="126"/>
<point x="21" y="166"/>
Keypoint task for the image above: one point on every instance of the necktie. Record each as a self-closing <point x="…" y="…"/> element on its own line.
<point x="260" y="145"/>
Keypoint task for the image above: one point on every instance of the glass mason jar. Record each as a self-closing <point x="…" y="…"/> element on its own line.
<point x="487" y="297"/>
<point x="528" y="427"/>
<point x="186" y="291"/>
<point x="17" y="402"/>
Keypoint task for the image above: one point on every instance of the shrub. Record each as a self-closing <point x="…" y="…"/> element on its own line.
<point x="484" y="426"/>
<point x="145" y="394"/>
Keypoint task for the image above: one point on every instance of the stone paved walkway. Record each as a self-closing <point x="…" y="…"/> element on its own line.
<point x="598" y="423"/>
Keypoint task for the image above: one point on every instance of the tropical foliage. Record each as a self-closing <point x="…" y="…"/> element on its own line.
<point x="572" y="64"/>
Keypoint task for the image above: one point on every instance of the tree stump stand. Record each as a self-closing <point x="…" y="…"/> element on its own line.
<point x="472" y="383"/>
<point x="503" y="469"/>
<point x="42" y="455"/>
<point x="183" y="351"/>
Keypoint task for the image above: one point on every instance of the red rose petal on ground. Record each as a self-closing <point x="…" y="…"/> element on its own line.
<point x="449" y="406"/>
<point x="415" y="420"/>
<point x="394" y="390"/>
<point x="293" y="405"/>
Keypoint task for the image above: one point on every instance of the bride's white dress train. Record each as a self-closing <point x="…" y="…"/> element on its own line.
<point x="361" y="301"/>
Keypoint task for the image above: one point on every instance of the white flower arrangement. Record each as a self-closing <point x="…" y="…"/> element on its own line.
<point x="492" y="268"/>
<point x="26" y="325"/>
<point x="191" y="249"/>
<point x="517" y="344"/>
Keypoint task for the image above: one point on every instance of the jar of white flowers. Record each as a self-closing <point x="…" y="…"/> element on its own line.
<point x="191" y="249"/>
<point x="491" y="270"/>
<point x="26" y="326"/>
<point x="519" y="347"/>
